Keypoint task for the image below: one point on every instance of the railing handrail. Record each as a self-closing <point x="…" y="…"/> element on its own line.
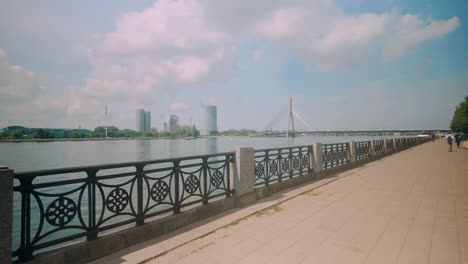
<point x="113" y="165"/>
<point x="281" y="148"/>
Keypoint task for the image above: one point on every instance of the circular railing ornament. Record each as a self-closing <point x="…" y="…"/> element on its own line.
<point x="217" y="179"/>
<point x="117" y="200"/>
<point x="285" y="165"/>
<point x="159" y="191"/>
<point x="259" y="170"/>
<point x="191" y="184"/>
<point x="296" y="163"/>
<point x="60" y="212"/>
<point x="273" y="167"/>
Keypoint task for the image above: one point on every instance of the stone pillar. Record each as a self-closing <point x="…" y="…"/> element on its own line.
<point x="6" y="213"/>
<point x="310" y="149"/>
<point x="395" y="149"/>
<point x="352" y="152"/>
<point x="244" y="175"/>
<point x="318" y="158"/>
<point x="384" y="147"/>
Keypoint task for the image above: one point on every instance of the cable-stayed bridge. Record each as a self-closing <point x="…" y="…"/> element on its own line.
<point x="295" y="115"/>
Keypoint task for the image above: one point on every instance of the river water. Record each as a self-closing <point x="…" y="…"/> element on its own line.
<point x="27" y="156"/>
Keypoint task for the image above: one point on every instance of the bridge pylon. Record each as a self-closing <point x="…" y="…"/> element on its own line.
<point x="290" y="132"/>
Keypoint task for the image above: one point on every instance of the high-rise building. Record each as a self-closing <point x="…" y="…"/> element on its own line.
<point x="210" y="120"/>
<point x="143" y="120"/>
<point x="173" y="124"/>
<point x="165" y="130"/>
<point x="147" y="121"/>
<point x="140" y="120"/>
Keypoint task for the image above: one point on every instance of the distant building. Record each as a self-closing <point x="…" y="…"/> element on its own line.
<point x="140" y="120"/>
<point x="210" y="120"/>
<point x="147" y="121"/>
<point x="165" y="129"/>
<point x="143" y="120"/>
<point x="173" y="124"/>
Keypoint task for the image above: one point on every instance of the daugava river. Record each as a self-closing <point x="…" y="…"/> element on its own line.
<point x="28" y="156"/>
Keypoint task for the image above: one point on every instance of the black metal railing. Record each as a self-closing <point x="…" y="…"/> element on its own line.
<point x="63" y="205"/>
<point x="398" y="144"/>
<point x="389" y="145"/>
<point x="274" y="165"/>
<point x="362" y="150"/>
<point x="379" y="147"/>
<point x="404" y="143"/>
<point x="335" y="155"/>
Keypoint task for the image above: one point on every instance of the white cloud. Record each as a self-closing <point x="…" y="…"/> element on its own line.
<point x="257" y="55"/>
<point x="175" y="45"/>
<point x="410" y="31"/>
<point x="17" y="85"/>
<point x="22" y="99"/>
<point x="167" y="46"/>
<point x="212" y="100"/>
<point x="179" y="107"/>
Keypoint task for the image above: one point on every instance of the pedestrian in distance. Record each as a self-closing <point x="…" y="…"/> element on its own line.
<point x="449" y="141"/>
<point x="458" y="139"/>
<point x="433" y="137"/>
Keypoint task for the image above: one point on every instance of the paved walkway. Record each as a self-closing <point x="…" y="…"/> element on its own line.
<point x="411" y="207"/>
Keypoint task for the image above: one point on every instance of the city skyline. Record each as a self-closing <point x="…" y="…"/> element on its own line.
<point x="348" y="66"/>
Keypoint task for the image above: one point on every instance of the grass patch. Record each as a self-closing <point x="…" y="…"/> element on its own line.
<point x="234" y="223"/>
<point x="269" y="211"/>
<point x="202" y="247"/>
<point x="311" y="193"/>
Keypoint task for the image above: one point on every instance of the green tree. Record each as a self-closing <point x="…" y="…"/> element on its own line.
<point x="15" y="134"/>
<point x="460" y="117"/>
<point x="44" y="133"/>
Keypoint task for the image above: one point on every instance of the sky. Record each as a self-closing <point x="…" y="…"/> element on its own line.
<point x="347" y="64"/>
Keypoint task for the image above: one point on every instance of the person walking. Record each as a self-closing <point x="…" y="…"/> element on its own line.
<point x="449" y="141"/>
<point x="458" y="139"/>
<point x="433" y="137"/>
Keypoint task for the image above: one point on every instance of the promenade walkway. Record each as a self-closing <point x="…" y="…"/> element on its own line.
<point x="411" y="207"/>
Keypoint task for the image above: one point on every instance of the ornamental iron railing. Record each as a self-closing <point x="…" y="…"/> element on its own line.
<point x="274" y="165"/>
<point x="398" y="145"/>
<point x="362" y="150"/>
<point x="335" y="155"/>
<point x="62" y="205"/>
<point x="379" y="147"/>
<point x="390" y="146"/>
<point x="404" y="143"/>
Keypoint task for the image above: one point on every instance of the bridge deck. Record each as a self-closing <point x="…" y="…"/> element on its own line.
<point x="411" y="207"/>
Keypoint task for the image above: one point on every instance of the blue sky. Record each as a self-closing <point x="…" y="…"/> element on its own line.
<point x="347" y="64"/>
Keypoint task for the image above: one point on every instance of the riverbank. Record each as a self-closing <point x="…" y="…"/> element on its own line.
<point x="109" y="139"/>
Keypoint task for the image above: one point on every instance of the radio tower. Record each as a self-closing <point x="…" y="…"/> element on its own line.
<point x="291" y="120"/>
<point x="106" y="122"/>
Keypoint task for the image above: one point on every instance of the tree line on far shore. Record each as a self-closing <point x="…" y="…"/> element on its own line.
<point x="460" y="118"/>
<point x="19" y="132"/>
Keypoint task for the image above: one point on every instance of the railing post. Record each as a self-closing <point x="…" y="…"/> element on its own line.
<point x="372" y="149"/>
<point x="92" y="229"/>
<point x="176" y="187"/>
<point x="352" y="152"/>
<point x="395" y="148"/>
<point x="318" y="157"/>
<point x="205" y="180"/>
<point x="244" y="172"/>
<point x="140" y="216"/>
<point x="6" y="213"/>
